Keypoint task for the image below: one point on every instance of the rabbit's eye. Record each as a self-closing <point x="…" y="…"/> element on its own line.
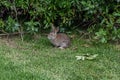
<point x="52" y="34"/>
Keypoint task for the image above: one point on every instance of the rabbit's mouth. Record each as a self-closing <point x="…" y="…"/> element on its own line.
<point x="51" y="38"/>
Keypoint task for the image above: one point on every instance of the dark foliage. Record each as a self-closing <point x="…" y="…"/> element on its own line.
<point x="101" y="17"/>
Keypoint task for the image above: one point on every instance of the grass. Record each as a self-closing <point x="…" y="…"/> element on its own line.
<point x="39" y="60"/>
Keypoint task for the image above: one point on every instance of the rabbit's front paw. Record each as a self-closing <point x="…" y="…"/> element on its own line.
<point x="61" y="47"/>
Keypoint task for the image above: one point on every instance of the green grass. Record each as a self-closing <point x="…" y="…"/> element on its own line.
<point x="39" y="60"/>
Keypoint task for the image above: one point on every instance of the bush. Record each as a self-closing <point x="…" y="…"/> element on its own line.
<point x="32" y="16"/>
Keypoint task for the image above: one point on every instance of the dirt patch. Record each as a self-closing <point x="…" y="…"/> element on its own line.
<point x="15" y="43"/>
<point x="9" y="42"/>
<point x="117" y="47"/>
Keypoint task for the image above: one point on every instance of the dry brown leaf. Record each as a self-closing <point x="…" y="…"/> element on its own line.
<point x="74" y="48"/>
<point x="86" y="45"/>
<point x="117" y="47"/>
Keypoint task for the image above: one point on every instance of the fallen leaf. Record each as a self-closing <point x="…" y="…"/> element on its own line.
<point x="86" y="56"/>
<point x="86" y="45"/>
<point x="74" y="48"/>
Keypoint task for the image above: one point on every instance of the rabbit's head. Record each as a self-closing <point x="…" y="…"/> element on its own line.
<point x="52" y="35"/>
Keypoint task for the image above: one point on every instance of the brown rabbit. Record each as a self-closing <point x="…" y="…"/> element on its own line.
<point x="60" y="40"/>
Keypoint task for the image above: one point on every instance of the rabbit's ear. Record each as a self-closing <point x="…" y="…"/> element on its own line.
<point x="57" y="29"/>
<point x="53" y="27"/>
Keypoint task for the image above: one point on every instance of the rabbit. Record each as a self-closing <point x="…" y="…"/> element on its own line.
<point x="60" y="40"/>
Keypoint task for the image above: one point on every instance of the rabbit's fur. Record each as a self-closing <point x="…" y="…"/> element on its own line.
<point x="60" y="40"/>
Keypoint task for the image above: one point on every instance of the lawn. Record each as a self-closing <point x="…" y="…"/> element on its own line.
<point x="39" y="60"/>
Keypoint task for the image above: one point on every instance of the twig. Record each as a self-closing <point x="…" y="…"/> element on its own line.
<point x="20" y="28"/>
<point x="83" y="34"/>
<point x="15" y="33"/>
